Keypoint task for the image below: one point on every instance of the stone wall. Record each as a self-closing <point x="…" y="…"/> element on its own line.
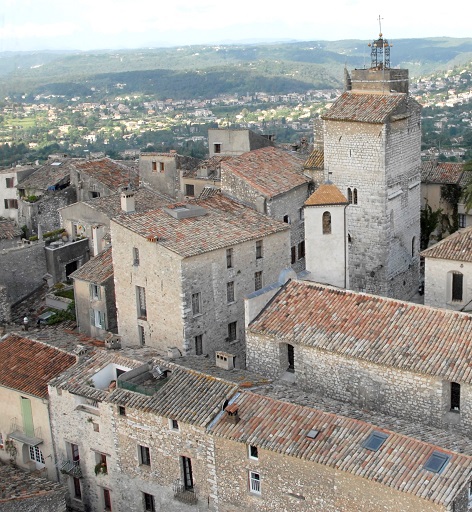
<point x="61" y="259"/>
<point x="5" y="306"/>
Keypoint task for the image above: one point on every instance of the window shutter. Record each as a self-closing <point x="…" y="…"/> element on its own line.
<point x="91" y="290"/>
<point x="92" y="317"/>
<point x="104" y="323"/>
<point x="99" y="292"/>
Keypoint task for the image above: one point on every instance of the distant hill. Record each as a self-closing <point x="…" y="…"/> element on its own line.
<point x="205" y="71"/>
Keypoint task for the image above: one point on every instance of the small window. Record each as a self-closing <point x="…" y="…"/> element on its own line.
<point x="349" y="195"/>
<point x="154" y="166"/>
<point x="10" y="182"/>
<point x="190" y="190"/>
<point x="462" y="220"/>
<point x="196" y="303"/>
<point x="301" y="250"/>
<point x="232" y="331"/>
<point x="455" y="396"/>
<point x="354" y="196"/>
<point x="96" y="427"/>
<point x="144" y="455"/>
<point x="94" y="195"/>
<point x="174" y="425"/>
<point x="312" y="434"/>
<point x="217" y="148"/>
<point x="1" y="441"/>
<point x="470" y="493"/>
<point x="257" y="280"/>
<point x="77" y="489"/>
<point x="253" y="452"/>
<point x="293" y="254"/>
<point x="259" y="253"/>
<point x="375" y="441"/>
<point x="11" y="204"/>
<point x="436" y="462"/>
<point x="229" y="258"/>
<point x="149" y="503"/>
<point x="141" y="299"/>
<point x="121" y="410"/>
<point x="230" y="292"/>
<point x="326" y="223"/>
<point x="106" y="499"/>
<point x="457" y="286"/>
<point x="161" y="166"/>
<point x="287" y="219"/>
<point x="135" y="256"/>
<point x="254" y="482"/>
<point x="141" y="335"/>
<point x="413" y="247"/>
<point x="36" y="454"/>
<point x="199" y="344"/>
<point x="301" y="214"/>
<point x="95" y="292"/>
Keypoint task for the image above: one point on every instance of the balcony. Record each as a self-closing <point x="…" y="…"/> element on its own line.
<point x="33" y="437"/>
<point x="183" y="494"/>
<point x="70" y="467"/>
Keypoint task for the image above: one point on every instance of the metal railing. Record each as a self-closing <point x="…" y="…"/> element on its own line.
<point x="183" y="494"/>
<point x="16" y="426"/>
<point x="70" y="467"/>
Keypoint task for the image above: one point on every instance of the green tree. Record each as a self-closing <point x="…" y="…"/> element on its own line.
<point x="429" y="221"/>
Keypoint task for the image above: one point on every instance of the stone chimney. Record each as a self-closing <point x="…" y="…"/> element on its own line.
<point x="225" y="360"/>
<point x="232" y="412"/>
<point x="128" y="201"/>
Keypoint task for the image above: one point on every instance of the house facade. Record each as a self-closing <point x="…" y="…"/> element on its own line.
<point x="9" y="179"/>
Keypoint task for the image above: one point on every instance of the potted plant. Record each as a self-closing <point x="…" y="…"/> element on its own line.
<point x="101" y="468"/>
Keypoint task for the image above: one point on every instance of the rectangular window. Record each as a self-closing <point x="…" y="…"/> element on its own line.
<point x="253" y="452"/>
<point x="74" y="452"/>
<point x="462" y="221"/>
<point x="10" y="182"/>
<point x="199" y="345"/>
<point x="161" y="166"/>
<point x="94" y="195"/>
<point x="149" y="504"/>
<point x="217" y="148"/>
<point x="232" y="331"/>
<point x="258" y="249"/>
<point x="106" y="499"/>
<point x="293" y="254"/>
<point x="455" y="396"/>
<point x="229" y="258"/>
<point x="301" y="214"/>
<point x="77" y="489"/>
<point x="11" y="204"/>
<point x="230" y="292"/>
<point x="141" y="300"/>
<point x="135" y="256"/>
<point x="95" y="292"/>
<point x="189" y="190"/>
<point x="144" y="455"/>
<point x="301" y="249"/>
<point x="257" y="280"/>
<point x="121" y="410"/>
<point x="36" y="454"/>
<point x="97" y="319"/>
<point x="254" y="482"/>
<point x="457" y="284"/>
<point x="141" y="335"/>
<point x="173" y="424"/>
<point x="196" y="303"/>
<point x="1" y="441"/>
<point x="154" y="166"/>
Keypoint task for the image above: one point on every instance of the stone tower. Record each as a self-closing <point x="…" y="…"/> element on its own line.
<point x="372" y="144"/>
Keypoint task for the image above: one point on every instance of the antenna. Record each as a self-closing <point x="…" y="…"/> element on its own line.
<point x="380" y="26"/>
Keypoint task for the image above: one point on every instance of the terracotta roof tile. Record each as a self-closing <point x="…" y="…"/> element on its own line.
<point x="456" y="247"/>
<point x="96" y="270"/>
<point x="18" y="355"/>
<point x="315" y="160"/>
<point x="8" y="230"/>
<point x="383" y="331"/>
<point x="49" y="175"/>
<point x="443" y="173"/>
<point x="269" y="170"/>
<point x="108" y="172"/>
<point x="326" y="194"/>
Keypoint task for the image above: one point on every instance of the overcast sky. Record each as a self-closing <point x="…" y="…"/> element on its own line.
<point x="96" y="24"/>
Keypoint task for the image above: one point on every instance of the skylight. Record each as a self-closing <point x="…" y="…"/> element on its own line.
<point x="437" y="462"/>
<point x="375" y="441"/>
<point x="312" y="434"/>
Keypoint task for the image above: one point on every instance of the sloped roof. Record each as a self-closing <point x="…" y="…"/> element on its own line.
<point x="379" y="330"/>
<point x="225" y="223"/>
<point x="444" y="173"/>
<point x="8" y="230"/>
<point x="271" y="171"/>
<point x="368" y="108"/>
<point x="110" y="173"/>
<point x="315" y="160"/>
<point x="456" y="247"/>
<point x="18" y="356"/>
<point x="49" y="175"/>
<point x="282" y="427"/>
<point x="96" y="270"/>
<point x="326" y="194"/>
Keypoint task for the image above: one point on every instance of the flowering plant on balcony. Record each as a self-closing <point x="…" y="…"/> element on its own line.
<point x="101" y="468"/>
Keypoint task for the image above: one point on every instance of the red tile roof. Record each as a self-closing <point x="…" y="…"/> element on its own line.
<point x="382" y="331"/>
<point x="225" y="223"/>
<point x="326" y="194"/>
<point x="110" y="173"/>
<point x="8" y="230"/>
<point x="315" y="160"/>
<point x="269" y="170"/>
<point x="96" y="270"/>
<point x="443" y="173"/>
<point x="456" y="247"/>
<point x="282" y="427"/>
<point x="19" y="355"/>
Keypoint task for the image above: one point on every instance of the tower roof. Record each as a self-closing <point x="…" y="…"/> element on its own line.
<point x="326" y="194"/>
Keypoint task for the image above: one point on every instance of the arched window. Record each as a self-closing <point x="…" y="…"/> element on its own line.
<point x="413" y="242"/>
<point x="354" y="196"/>
<point x="326" y="223"/>
<point x="349" y="195"/>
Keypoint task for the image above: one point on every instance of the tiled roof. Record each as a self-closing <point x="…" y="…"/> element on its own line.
<point x="19" y="355"/>
<point x="110" y="173"/>
<point x="96" y="270"/>
<point x="315" y="160"/>
<point x="283" y="427"/>
<point x="8" y="230"/>
<point x="65" y="338"/>
<point x="382" y="331"/>
<point x="442" y="173"/>
<point x="226" y="223"/>
<point x="326" y="194"/>
<point x="49" y="175"/>
<point x="368" y="108"/>
<point x="213" y="165"/>
<point x="456" y="247"/>
<point x="269" y="170"/>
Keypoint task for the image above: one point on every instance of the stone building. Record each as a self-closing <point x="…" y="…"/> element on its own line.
<point x="372" y="148"/>
<point x="181" y="273"/>
<point x="271" y="181"/>
<point x="94" y="292"/>
<point x="206" y="175"/>
<point x="10" y="234"/>
<point x="235" y="142"/>
<point x="448" y="271"/>
<point x="9" y="179"/>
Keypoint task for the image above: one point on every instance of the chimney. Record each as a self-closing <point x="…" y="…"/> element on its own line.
<point x="232" y="412"/>
<point x="225" y="360"/>
<point x="128" y="201"/>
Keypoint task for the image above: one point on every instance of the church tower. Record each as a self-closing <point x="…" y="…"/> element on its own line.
<point x="372" y="146"/>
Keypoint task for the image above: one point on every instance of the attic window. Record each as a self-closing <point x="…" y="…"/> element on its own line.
<point x="312" y="434"/>
<point x="437" y="462"/>
<point x="375" y="441"/>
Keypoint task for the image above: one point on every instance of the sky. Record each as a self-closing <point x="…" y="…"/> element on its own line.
<point x="114" y="24"/>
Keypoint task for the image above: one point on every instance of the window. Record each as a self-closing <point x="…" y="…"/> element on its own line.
<point x="470" y="493"/>
<point x="196" y="303"/>
<point x="141" y="300"/>
<point x="232" y="331"/>
<point x="230" y="292"/>
<point x="293" y="254"/>
<point x="174" y="425"/>
<point x="161" y="166"/>
<point x="189" y="190"/>
<point x="77" y="489"/>
<point x="326" y="223"/>
<point x="121" y="410"/>
<point x="95" y="292"/>
<point x="462" y="220"/>
<point x="186" y="465"/>
<point x="287" y="219"/>
<point x="94" y="195"/>
<point x="1" y="441"/>
<point x="413" y="244"/>
<point x="455" y="396"/>
<point x="259" y="249"/>
<point x="144" y="455"/>
<point x="74" y="452"/>
<point x="106" y="499"/>
<point x="375" y="441"/>
<point x="254" y="482"/>
<point x="229" y="258"/>
<point x="313" y="433"/>
<point x="217" y="148"/>
<point x="141" y="335"/>
<point x="96" y="427"/>
<point x="457" y="285"/>
<point x="349" y="195"/>
<point x="436" y="462"/>
<point x="10" y="182"/>
<point x="36" y="454"/>
<point x="301" y="214"/>
<point x="253" y="452"/>
<point x="257" y="280"/>
<point x="354" y="196"/>
<point x="199" y="345"/>
<point x="154" y="166"/>
<point x="11" y="204"/>
<point x="97" y="319"/>
<point x="135" y="256"/>
<point x="301" y="250"/>
<point x="149" y="505"/>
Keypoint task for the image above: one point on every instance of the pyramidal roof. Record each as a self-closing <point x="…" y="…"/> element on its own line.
<point x="326" y="194"/>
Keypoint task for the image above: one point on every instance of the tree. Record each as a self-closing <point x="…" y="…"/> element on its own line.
<point x="429" y="221"/>
<point x="467" y="191"/>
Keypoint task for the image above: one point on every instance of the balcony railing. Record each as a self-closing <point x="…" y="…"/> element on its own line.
<point x="70" y="467"/>
<point x="18" y="432"/>
<point x="183" y="494"/>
